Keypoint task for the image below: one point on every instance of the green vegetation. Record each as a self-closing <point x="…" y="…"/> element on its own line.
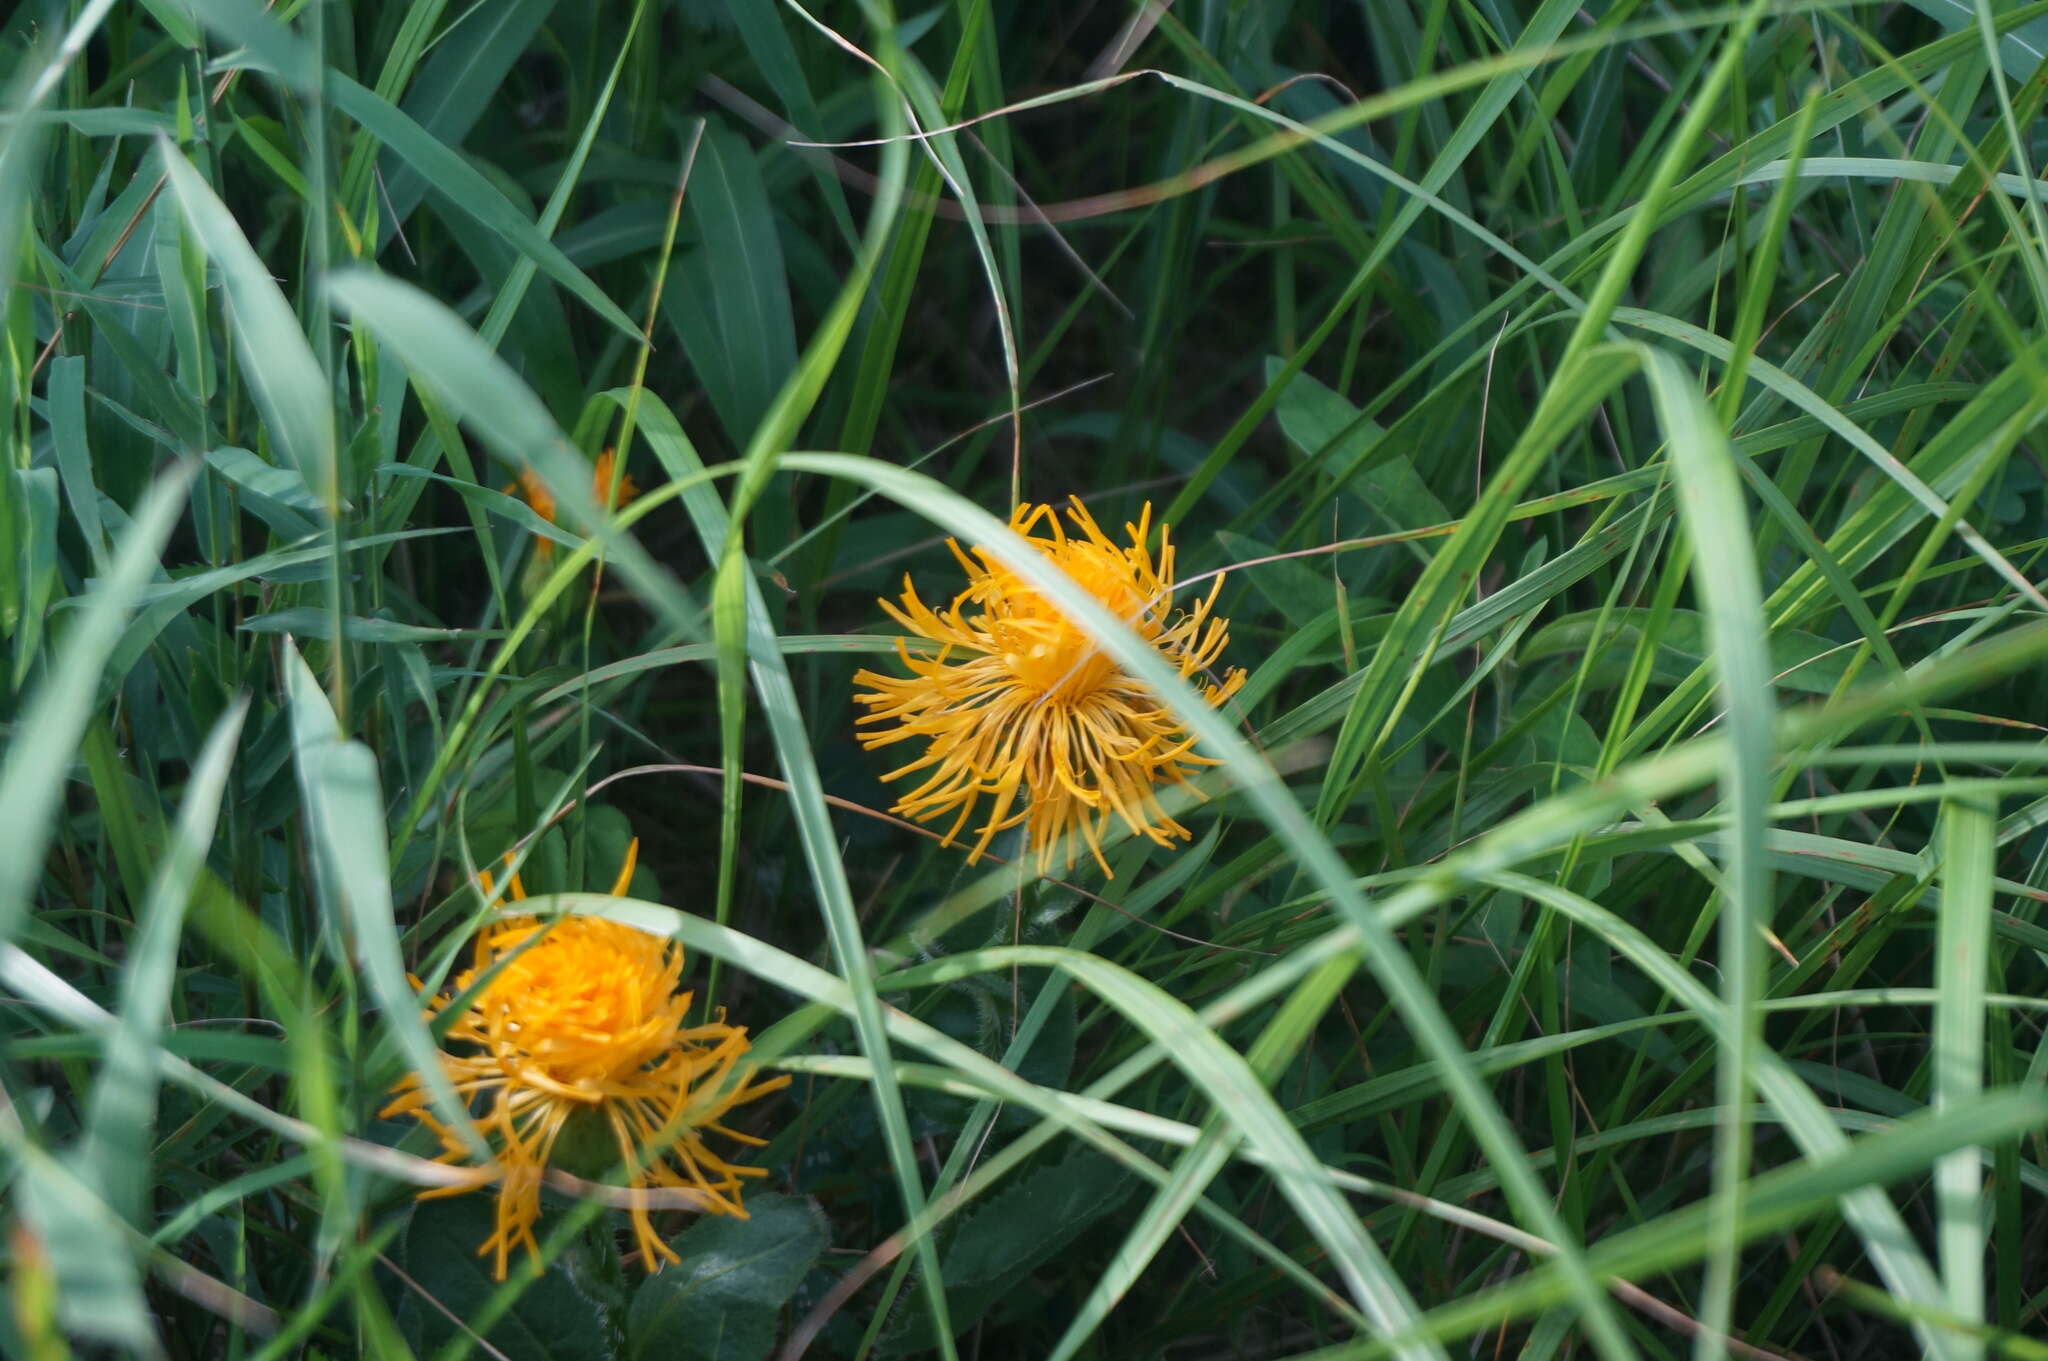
<point x="1612" y="925"/>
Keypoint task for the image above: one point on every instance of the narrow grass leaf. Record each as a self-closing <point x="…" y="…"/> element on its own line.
<point x="121" y="1122"/>
<point x="271" y="43"/>
<point x="466" y="190"/>
<point x="1962" y="968"/>
<point x="66" y="396"/>
<point x="46" y="735"/>
<point x="1724" y="576"/>
<point x="99" y="1290"/>
<point x="469" y="61"/>
<point x="276" y="360"/>
<point x="345" y="823"/>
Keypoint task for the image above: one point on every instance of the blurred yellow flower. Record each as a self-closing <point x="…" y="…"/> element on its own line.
<point x="1021" y="707"/>
<point x="609" y="486"/>
<point x="579" y="1028"/>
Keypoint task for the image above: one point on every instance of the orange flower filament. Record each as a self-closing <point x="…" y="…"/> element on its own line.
<point x="609" y="486"/>
<point x="580" y="1020"/>
<point x="1022" y="708"/>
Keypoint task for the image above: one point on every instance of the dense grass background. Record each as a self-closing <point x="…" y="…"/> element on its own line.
<point x="1615" y="928"/>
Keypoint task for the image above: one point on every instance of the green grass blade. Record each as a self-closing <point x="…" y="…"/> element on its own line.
<point x="469" y="60"/>
<point x="1725" y="577"/>
<point x="46" y="736"/>
<point x="1883" y="1230"/>
<point x="478" y="388"/>
<point x="1962" y="955"/>
<point x="121" y="1122"/>
<point x="276" y="360"/>
<point x="466" y="190"/>
<point x="345" y="824"/>
<point x="99" y="1290"/>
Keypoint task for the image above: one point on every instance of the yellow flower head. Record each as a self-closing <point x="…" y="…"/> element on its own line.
<point x="609" y="486"/>
<point x="579" y="1026"/>
<point x="1021" y="707"/>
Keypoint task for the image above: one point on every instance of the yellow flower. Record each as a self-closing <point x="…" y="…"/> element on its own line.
<point x="579" y="1028"/>
<point x="609" y="486"/>
<point x="1021" y="707"/>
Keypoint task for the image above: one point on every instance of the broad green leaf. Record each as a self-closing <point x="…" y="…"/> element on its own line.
<point x="1293" y="587"/>
<point x="564" y="1315"/>
<point x="724" y="1301"/>
<point x="74" y="461"/>
<point x="280" y="497"/>
<point x="1346" y="446"/>
<point x="728" y="299"/>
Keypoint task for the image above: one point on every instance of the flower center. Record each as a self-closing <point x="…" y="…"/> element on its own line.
<point x="583" y="1008"/>
<point x="1047" y="652"/>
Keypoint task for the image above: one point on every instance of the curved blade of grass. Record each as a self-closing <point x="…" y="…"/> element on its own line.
<point x="1962" y="968"/>
<point x="345" y="823"/>
<point x="99" y="1290"/>
<point x="1725" y="577"/>
<point x="478" y="388"/>
<point x="1803" y="397"/>
<point x="46" y="735"/>
<point x="121" y="1121"/>
<point x="1366" y="1271"/>
<point x="1224" y="1076"/>
<point x="1886" y="168"/>
<point x="465" y="189"/>
<point x="276" y="360"/>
